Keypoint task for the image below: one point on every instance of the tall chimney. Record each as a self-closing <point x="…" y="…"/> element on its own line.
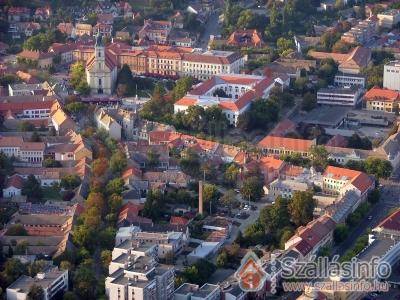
<point x="200" y="197"/>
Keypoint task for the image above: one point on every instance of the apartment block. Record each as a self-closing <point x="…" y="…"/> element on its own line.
<point x="362" y="33"/>
<point x="134" y="274"/>
<point x="342" y="79"/>
<point x="188" y="291"/>
<point x="346" y="96"/>
<point x="391" y="76"/>
<point x="51" y="280"/>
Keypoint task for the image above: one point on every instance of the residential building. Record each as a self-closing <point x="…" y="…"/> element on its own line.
<point x="245" y="38"/>
<point x="382" y="100"/>
<point x="239" y="90"/>
<point x="169" y="244"/>
<point x="101" y="69"/>
<point x="103" y="29"/>
<point x="342" y="79"/>
<point x="109" y="124"/>
<point x="210" y="63"/>
<point x="391" y="76"/>
<point x="83" y="29"/>
<point x="18" y="14"/>
<point x="155" y="31"/>
<point x="43" y="60"/>
<point x="286" y="188"/>
<point x="13" y="186"/>
<point x="42" y="13"/>
<point x="67" y="28"/>
<point x="350" y="63"/>
<point x="276" y="146"/>
<point x="28" y="107"/>
<point x="309" y="239"/>
<point x="340" y="180"/>
<point x="361" y="33"/>
<point x="135" y="274"/>
<point x="23" y="89"/>
<point x="52" y="281"/>
<point x="189" y="291"/>
<point x="61" y="122"/>
<point x="64" y="50"/>
<point x="389" y="18"/>
<point x="344" y="96"/>
<point x="27" y="152"/>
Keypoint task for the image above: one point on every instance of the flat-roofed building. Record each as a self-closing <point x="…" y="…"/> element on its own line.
<point x="52" y="281"/>
<point x="188" y="291"/>
<point x="391" y="76"/>
<point x="343" y="79"/>
<point x="346" y="96"/>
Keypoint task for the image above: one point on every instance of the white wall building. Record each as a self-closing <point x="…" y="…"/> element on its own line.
<point x="391" y="76"/>
<point x="29" y="152"/>
<point x="52" y="281"/>
<point x="389" y="18"/>
<point x="101" y="70"/>
<point x="348" y="96"/>
<point x="134" y="274"/>
<point x="239" y="91"/>
<point x="105" y="121"/>
<point x="342" y="79"/>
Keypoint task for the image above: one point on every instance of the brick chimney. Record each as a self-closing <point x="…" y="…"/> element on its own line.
<point x="200" y="197"/>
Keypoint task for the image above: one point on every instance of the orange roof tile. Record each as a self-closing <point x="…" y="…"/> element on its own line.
<point x="380" y="94"/>
<point x="274" y="142"/>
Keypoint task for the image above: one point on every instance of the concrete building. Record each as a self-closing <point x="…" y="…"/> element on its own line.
<point x="389" y="18"/>
<point x="134" y="274"/>
<point x="188" y="291"/>
<point x="348" y="96"/>
<point x="342" y="79"/>
<point x="51" y="280"/>
<point x="286" y="188"/>
<point x="391" y="76"/>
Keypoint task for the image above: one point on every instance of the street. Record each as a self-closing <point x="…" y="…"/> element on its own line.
<point x="211" y="28"/>
<point x="389" y="199"/>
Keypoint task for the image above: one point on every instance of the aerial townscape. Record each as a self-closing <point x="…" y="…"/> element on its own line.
<point x="199" y="149"/>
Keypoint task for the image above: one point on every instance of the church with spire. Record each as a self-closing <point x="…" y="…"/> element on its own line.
<point x="101" y="69"/>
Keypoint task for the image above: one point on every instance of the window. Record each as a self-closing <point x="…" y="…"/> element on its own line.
<point x="99" y="81"/>
<point x="99" y="54"/>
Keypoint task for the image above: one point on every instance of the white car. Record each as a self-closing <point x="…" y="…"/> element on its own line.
<point x="246" y="207"/>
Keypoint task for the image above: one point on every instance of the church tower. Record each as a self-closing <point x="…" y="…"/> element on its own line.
<point x="99" y="61"/>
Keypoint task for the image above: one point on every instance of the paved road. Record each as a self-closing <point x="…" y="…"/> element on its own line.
<point x="211" y="28"/>
<point x="390" y="194"/>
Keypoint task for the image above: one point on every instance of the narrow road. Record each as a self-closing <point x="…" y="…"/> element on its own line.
<point x="389" y="200"/>
<point x="211" y="28"/>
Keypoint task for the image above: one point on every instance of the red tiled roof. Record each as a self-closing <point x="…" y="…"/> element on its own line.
<point x="274" y="142"/>
<point x="186" y="101"/>
<point x="283" y="127"/>
<point x="15" y="181"/>
<point x="110" y="60"/>
<point x="392" y="222"/>
<point x="178" y="220"/>
<point x="380" y="94"/>
<point x="337" y="141"/>
<point x="359" y="179"/>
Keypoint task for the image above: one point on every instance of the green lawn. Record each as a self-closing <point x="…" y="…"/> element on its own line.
<point x="51" y="193"/>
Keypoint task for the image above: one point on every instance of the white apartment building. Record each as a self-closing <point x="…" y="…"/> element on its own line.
<point x="29" y="152"/>
<point x="210" y="63"/>
<point x="347" y="96"/>
<point x="134" y="274"/>
<point x="391" y="76"/>
<point x="389" y="18"/>
<point x="52" y="281"/>
<point x="240" y="90"/>
<point x="342" y="79"/>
